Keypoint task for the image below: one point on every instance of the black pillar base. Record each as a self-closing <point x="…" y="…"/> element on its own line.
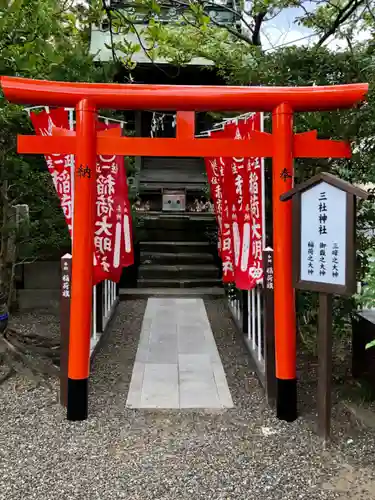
<point x="77" y="407"/>
<point x="286" y="403"/>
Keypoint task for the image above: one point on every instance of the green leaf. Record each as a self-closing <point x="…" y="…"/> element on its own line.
<point x="370" y="344"/>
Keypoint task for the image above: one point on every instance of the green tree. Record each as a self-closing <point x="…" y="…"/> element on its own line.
<point x="45" y="39"/>
<point x="181" y="29"/>
<point x="239" y="56"/>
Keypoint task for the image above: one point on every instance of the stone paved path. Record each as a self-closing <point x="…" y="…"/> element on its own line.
<point x="177" y="363"/>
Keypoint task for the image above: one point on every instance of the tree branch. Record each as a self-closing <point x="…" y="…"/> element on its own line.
<point x="257" y="25"/>
<point x="370" y="10"/>
<point x="343" y="15"/>
<point x="109" y="16"/>
<point x="228" y="9"/>
<point x="234" y="32"/>
<point x="145" y="49"/>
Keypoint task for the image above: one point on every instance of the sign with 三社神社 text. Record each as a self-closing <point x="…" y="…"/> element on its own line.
<point x="324" y="261"/>
<point x="323" y="235"/>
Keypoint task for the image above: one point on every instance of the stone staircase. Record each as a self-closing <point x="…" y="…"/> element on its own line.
<point x="175" y="253"/>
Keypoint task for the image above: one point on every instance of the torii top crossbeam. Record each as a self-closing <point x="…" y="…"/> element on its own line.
<point x="185" y="100"/>
<point x="182" y="98"/>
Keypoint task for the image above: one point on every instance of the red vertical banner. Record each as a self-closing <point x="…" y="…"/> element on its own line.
<point x="242" y="209"/>
<point x="113" y="238"/>
<point x="228" y="243"/>
<point x="113" y="225"/>
<point x="127" y="254"/>
<point x="216" y="173"/>
<point x="247" y="180"/>
<point x="239" y="187"/>
<point x="214" y="181"/>
<point x="256" y="189"/>
<point x="59" y="166"/>
<point x="108" y="201"/>
<point x="231" y="215"/>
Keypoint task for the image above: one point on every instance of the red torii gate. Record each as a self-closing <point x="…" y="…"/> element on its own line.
<point x="282" y="145"/>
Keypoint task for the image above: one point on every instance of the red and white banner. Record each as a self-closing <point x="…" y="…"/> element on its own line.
<point x="242" y="209"/>
<point x="257" y="208"/>
<point x="60" y="166"/>
<point x="214" y="181"/>
<point x="228" y="247"/>
<point x="127" y="257"/>
<point x="113" y="237"/>
<point x="216" y="168"/>
<point x="113" y="226"/>
<point x="236" y="180"/>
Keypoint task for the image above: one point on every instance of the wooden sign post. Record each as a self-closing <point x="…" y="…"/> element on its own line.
<point x="324" y="261"/>
<point x="66" y="291"/>
<point x="269" y="327"/>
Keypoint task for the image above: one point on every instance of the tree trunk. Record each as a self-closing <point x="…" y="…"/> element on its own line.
<point x="7" y="245"/>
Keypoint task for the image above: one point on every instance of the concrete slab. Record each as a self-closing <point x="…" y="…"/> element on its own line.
<point x="160" y="386"/>
<point x="177" y="363"/>
<point x="135" y="389"/>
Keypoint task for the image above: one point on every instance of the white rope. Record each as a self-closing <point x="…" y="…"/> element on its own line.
<point x="221" y="125"/>
<point x="157" y="122"/>
<point x="121" y="122"/>
<point x="104" y="118"/>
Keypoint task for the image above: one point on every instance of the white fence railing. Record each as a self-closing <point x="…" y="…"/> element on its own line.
<point x="105" y="299"/>
<point x="247" y="310"/>
<point x="253" y="313"/>
<point x="255" y="330"/>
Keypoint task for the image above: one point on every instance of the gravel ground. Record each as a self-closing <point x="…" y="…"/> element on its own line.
<point x="243" y="453"/>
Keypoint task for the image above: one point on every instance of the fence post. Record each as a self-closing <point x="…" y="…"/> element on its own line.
<point x="269" y="327"/>
<point x="245" y="312"/>
<point x="238" y="305"/>
<point x="99" y="307"/>
<point x="66" y="276"/>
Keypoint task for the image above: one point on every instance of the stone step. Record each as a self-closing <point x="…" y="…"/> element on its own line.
<point x="180" y="235"/>
<point x="135" y="293"/>
<point x="179" y="283"/>
<point x="173" y="258"/>
<point x="178" y="272"/>
<point x="182" y="224"/>
<point x="175" y="246"/>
